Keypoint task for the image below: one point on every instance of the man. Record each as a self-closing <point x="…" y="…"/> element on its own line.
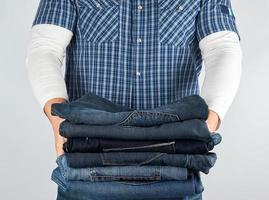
<point x="141" y="53"/>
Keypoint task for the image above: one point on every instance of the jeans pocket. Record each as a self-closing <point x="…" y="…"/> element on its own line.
<point x="99" y="20"/>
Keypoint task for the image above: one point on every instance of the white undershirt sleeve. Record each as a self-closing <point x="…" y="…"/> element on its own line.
<point x="44" y="61"/>
<point x="222" y="58"/>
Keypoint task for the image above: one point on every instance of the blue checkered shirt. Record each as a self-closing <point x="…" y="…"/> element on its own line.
<point x="137" y="53"/>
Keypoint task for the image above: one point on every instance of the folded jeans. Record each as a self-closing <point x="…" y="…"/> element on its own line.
<point x="193" y="162"/>
<point x="95" y="110"/>
<point x="114" y="190"/>
<point x="194" y="129"/>
<point x="122" y="173"/>
<point x="95" y="145"/>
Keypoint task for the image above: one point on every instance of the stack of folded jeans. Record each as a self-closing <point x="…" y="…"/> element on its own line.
<point x="115" y="152"/>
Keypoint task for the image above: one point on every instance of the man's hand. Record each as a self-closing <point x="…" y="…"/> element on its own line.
<point x="213" y="121"/>
<point x="55" y="122"/>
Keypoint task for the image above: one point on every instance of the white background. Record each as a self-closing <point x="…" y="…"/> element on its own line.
<point x="26" y="144"/>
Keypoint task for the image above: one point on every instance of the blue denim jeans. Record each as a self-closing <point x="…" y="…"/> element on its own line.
<point x="95" y="110"/>
<point x="194" y="129"/>
<point x="117" y="190"/>
<point x="95" y="145"/>
<point x="122" y="173"/>
<point x="191" y="161"/>
<point x="61" y="195"/>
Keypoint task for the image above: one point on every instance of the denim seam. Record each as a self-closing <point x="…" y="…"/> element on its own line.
<point x="127" y="119"/>
<point x="113" y="177"/>
<point x="63" y="171"/>
<point x="158" y="113"/>
<point x="133" y="183"/>
<point x="59" y="182"/>
<point x="153" y="158"/>
<point x="110" y="162"/>
<point x="187" y="161"/>
<point x="136" y="113"/>
<point x="168" y="144"/>
<point x="174" y="147"/>
<point x="163" y="114"/>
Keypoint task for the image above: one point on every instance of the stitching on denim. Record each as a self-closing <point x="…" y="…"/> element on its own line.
<point x="59" y="182"/>
<point x="167" y="144"/>
<point x="174" y="147"/>
<point x="128" y="118"/>
<point x="187" y="161"/>
<point x="103" y="159"/>
<point x="108" y="161"/>
<point x="138" y="183"/>
<point x="63" y="171"/>
<point x="159" y="113"/>
<point x="153" y="158"/>
<point x="164" y="115"/>
<point x="117" y="177"/>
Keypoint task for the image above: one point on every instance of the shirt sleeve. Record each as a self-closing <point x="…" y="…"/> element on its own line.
<point x="215" y="16"/>
<point x="56" y="12"/>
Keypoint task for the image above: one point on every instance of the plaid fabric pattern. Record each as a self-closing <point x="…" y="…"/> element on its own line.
<point x="139" y="53"/>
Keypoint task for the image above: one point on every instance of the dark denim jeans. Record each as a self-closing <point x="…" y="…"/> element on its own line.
<point x="95" y="110"/>
<point x="72" y="195"/>
<point x="122" y="173"/>
<point x="92" y="145"/>
<point x="194" y="129"/>
<point x="116" y="190"/>
<point x="194" y="162"/>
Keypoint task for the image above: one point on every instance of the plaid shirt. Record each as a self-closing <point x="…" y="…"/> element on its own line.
<point x="137" y="53"/>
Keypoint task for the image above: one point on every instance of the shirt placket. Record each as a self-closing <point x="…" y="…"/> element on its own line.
<point x="137" y="49"/>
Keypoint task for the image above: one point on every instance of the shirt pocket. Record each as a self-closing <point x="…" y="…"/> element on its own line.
<point x="177" y="21"/>
<point x="98" y="20"/>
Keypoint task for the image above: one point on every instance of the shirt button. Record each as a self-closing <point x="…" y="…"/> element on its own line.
<point x="139" y="40"/>
<point x="180" y="8"/>
<point x="98" y="5"/>
<point x="138" y="73"/>
<point x="140" y="7"/>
